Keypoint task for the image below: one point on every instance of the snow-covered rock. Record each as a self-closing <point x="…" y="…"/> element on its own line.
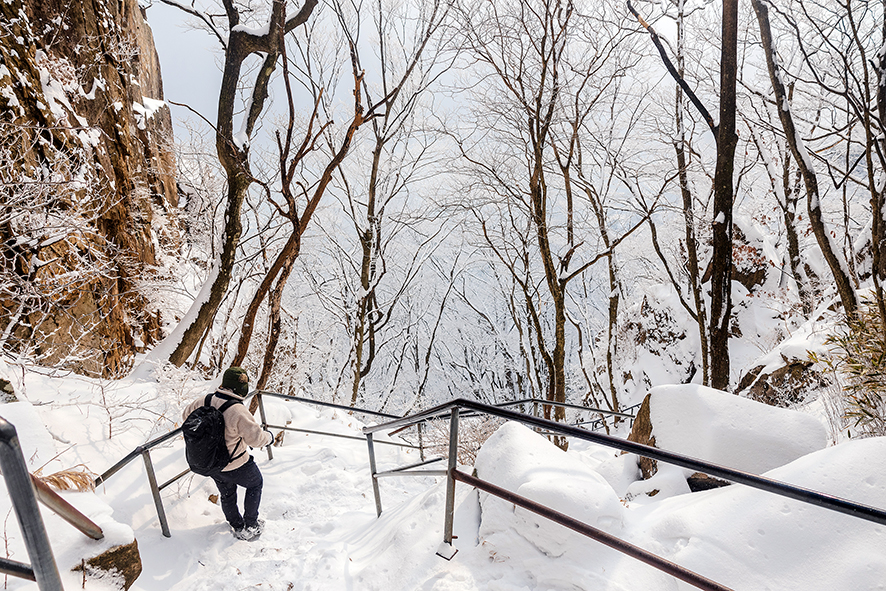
<point x="724" y="429"/>
<point x="749" y="539"/>
<point x="519" y="460"/>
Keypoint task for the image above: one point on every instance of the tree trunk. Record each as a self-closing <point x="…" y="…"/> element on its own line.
<point x="285" y="257"/>
<point x="234" y="157"/>
<point x="364" y="327"/>
<point x="274" y="323"/>
<point x="878" y="190"/>
<point x="721" y="265"/>
<point x="614" y="295"/>
<point x="692" y="266"/>
<point x="557" y="377"/>
<point x="798" y="150"/>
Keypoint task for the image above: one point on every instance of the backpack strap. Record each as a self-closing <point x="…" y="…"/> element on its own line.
<point x="229" y="402"/>
<point x="228" y="405"/>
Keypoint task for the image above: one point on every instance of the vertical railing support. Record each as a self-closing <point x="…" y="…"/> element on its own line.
<point x="446" y="550"/>
<point x="374" y="471"/>
<point x="155" y="492"/>
<point x="264" y="422"/>
<point x="24" y="501"/>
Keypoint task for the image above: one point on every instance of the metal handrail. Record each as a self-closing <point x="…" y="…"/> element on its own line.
<point x="42" y="569"/>
<point x="594" y="533"/>
<point x="65" y="510"/>
<point x="446" y="550"/>
<point x="771" y="485"/>
<point x="144" y="450"/>
<point x="134" y="454"/>
<point x="441" y="410"/>
<point x="566" y="405"/>
<point x="264" y="421"/>
<point x="326" y="404"/>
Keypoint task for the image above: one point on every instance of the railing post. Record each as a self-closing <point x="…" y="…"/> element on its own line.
<point x="27" y="512"/>
<point x="374" y="471"/>
<point x="264" y="422"/>
<point x="155" y="492"/>
<point x="443" y="550"/>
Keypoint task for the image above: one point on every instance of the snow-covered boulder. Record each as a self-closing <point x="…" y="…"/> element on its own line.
<point x="749" y="539"/>
<point x="115" y="558"/>
<point x="519" y="460"/>
<point x="723" y="429"/>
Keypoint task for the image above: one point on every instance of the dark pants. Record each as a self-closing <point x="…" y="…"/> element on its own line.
<point x="249" y="477"/>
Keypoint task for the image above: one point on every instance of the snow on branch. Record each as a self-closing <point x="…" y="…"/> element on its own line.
<point x="206" y="18"/>
<point x="673" y="72"/>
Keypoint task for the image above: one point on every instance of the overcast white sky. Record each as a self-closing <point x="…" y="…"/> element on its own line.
<point x="189" y="62"/>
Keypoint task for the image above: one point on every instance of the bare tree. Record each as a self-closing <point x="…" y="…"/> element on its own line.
<point x="388" y="122"/>
<point x="805" y="167"/>
<point x="548" y="65"/>
<point x="726" y="137"/>
<point x="721" y="263"/>
<point x="239" y="43"/>
<point x="785" y="183"/>
<point x="292" y="152"/>
<point x="407" y="60"/>
<point x="682" y="145"/>
<point x="592" y="162"/>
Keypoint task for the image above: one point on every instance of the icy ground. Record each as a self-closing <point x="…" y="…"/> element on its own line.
<point x="322" y="532"/>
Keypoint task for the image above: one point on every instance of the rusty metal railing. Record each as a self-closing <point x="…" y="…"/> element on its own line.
<point x="454" y="407"/>
<point x="144" y="450"/>
<point x="42" y="569"/>
<point x="264" y="421"/>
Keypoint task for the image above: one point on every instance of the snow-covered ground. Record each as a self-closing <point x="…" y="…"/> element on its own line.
<point x="322" y="532"/>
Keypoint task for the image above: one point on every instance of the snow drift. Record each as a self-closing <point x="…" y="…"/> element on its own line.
<point x="729" y="430"/>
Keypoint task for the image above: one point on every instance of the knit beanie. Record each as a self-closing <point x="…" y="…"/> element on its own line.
<point x="236" y="380"/>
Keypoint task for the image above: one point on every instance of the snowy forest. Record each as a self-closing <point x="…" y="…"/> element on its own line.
<point x="398" y="203"/>
<point x="401" y="203"/>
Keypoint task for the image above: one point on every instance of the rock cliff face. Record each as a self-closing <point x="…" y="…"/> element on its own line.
<point x="87" y="166"/>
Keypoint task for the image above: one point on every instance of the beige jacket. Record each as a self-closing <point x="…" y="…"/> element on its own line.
<point x="241" y="428"/>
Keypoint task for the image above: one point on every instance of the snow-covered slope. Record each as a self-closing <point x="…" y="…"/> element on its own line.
<point x="322" y="532"/>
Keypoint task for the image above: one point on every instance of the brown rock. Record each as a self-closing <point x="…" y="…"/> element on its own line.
<point x="782" y="387"/>
<point x="750" y="265"/>
<point x="124" y="561"/>
<point x="641" y="433"/>
<point x="101" y="57"/>
<point x="699" y="481"/>
<point x="7" y="392"/>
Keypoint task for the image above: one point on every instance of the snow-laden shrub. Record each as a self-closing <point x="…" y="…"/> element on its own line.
<point x="857" y="358"/>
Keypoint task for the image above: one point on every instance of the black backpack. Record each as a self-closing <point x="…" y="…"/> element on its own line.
<point x="204" y="432"/>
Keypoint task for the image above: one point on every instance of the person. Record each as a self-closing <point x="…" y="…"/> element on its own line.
<point x="241" y="430"/>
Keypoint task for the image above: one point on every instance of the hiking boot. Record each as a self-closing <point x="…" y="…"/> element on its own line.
<point x="255" y="530"/>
